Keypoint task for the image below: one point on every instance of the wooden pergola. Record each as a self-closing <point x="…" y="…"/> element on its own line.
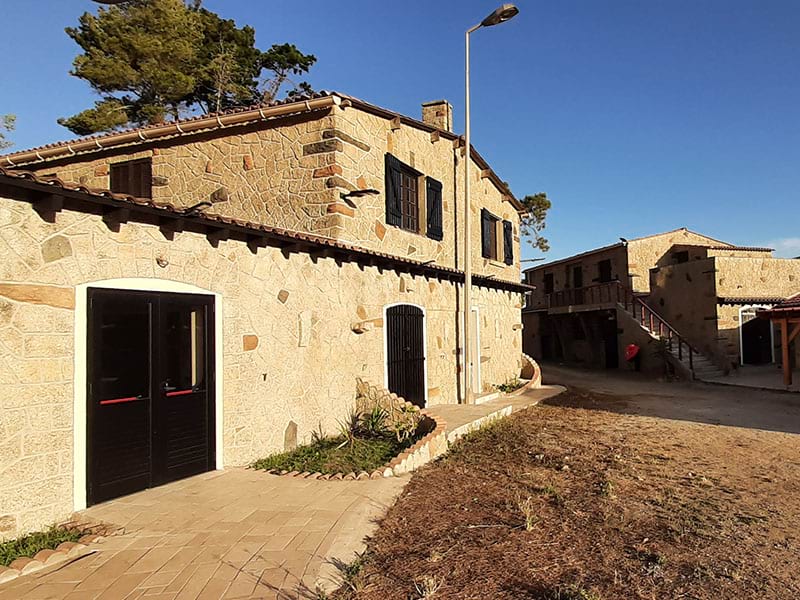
<point x="787" y="314"/>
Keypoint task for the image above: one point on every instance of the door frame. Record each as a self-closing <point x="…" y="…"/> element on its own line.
<point x="80" y="402"/>
<point x="386" y="308"/>
<point x="742" y="309"/>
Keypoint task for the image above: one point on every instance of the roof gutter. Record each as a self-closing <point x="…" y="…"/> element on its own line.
<point x="167" y="130"/>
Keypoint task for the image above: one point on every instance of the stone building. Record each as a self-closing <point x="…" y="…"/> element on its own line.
<point x="698" y="295"/>
<point x="199" y="294"/>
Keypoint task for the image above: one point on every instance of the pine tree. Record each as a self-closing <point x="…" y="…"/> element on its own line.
<point x="155" y="60"/>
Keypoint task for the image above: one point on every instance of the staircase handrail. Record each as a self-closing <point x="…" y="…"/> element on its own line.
<point x="648" y="314"/>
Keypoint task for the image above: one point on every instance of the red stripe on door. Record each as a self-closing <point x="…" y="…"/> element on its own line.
<point x="180" y="393"/>
<point x="120" y="400"/>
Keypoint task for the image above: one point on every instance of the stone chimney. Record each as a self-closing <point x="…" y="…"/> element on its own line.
<point x="438" y="113"/>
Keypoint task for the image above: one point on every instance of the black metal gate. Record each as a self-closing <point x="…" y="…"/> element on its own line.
<point x="405" y="349"/>
<point x="150" y="390"/>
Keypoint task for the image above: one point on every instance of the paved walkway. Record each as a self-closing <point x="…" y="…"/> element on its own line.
<point x="460" y="416"/>
<point x="226" y="534"/>
<point x="763" y="377"/>
<point x="237" y="533"/>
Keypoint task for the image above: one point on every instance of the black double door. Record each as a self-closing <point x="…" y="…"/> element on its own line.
<point x="150" y="390"/>
<point x="405" y="349"/>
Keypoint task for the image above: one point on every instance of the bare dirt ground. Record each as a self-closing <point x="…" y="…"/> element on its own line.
<point x="617" y="489"/>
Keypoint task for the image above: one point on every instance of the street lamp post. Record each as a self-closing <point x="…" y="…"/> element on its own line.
<point x="501" y="15"/>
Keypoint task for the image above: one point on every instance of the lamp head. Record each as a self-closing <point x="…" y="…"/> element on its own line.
<point x="500" y="15"/>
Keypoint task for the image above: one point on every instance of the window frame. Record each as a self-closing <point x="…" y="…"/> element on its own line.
<point x="128" y="186"/>
<point x="409" y="207"/>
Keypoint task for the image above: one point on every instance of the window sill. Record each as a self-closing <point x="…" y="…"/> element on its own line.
<point x="496" y="263"/>
<point x="417" y="233"/>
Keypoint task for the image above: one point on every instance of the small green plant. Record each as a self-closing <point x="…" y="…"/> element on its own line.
<point x="350" y="427"/>
<point x="351" y="572"/>
<point x="373" y="423"/>
<point x="404" y="426"/>
<point x="28" y="545"/>
<point x="510" y="385"/>
<point x="528" y="510"/>
<point x="606" y="488"/>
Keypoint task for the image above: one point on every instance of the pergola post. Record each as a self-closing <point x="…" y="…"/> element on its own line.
<point x="787" y="367"/>
<point x="786" y="339"/>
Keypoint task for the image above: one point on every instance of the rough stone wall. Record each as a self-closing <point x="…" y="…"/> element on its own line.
<point x="755" y="277"/>
<point x="701" y="252"/>
<point x="290" y="173"/>
<point x="562" y="273"/>
<point x="296" y="334"/>
<point x="277" y="173"/>
<point x="649" y="252"/>
<point x="686" y="296"/>
<point x="362" y="165"/>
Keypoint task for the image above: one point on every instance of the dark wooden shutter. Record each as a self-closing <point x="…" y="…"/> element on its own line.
<point x="508" y="243"/>
<point x="133" y="177"/>
<point x="434" y="205"/>
<point x="394" y="214"/>
<point x="486" y="236"/>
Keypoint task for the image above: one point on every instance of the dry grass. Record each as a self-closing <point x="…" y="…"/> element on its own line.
<point x="573" y="502"/>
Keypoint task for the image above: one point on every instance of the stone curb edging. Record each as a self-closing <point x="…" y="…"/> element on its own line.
<point x="94" y="532"/>
<point x="533" y="369"/>
<point x="430" y="446"/>
<point x="47" y="558"/>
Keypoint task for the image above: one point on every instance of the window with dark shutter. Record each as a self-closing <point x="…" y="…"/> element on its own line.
<point x="133" y="178"/>
<point x="402" y="195"/>
<point x="488" y="234"/>
<point x="394" y="215"/>
<point x="434" y="206"/>
<point x="508" y="243"/>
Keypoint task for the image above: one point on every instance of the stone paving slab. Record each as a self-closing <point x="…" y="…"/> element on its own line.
<point x="235" y="533"/>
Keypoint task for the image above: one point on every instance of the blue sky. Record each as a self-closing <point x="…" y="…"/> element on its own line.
<point x="635" y="117"/>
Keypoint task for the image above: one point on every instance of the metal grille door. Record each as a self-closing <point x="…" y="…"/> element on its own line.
<point x="405" y="346"/>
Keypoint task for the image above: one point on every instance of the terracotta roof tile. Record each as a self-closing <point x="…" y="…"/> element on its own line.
<point x="749" y="299"/>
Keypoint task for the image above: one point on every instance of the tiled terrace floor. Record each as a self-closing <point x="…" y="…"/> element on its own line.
<point x="226" y="534"/>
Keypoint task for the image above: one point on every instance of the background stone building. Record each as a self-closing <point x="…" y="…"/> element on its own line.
<point x="704" y="290"/>
<point x="243" y="271"/>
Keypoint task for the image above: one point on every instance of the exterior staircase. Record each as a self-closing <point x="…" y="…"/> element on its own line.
<point x="683" y="354"/>
<point x="693" y="361"/>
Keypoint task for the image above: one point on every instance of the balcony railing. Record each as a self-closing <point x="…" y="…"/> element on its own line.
<point x="599" y="293"/>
